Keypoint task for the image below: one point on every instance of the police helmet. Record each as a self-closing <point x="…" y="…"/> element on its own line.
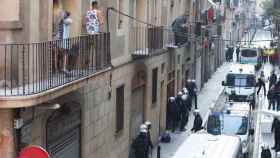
<point x="185" y="90"/>
<point x="148" y="124"/>
<point x="143" y="131"/>
<point x="143" y="127"/>
<point x="196" y="111"/>
<point x="184" y="97"/>
<point x="180" y="93"/>
<point x="172" y="99"/>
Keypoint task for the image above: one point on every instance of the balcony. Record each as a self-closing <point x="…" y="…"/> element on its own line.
<point x="30" y="69"/>
<point x="149" y="41"/>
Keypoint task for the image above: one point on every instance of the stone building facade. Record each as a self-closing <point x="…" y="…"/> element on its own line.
<point x="98" y="114"/>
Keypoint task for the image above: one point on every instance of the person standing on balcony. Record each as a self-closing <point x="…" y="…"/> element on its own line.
<point x="94" y="19"/>
<point x="67" y="21"/>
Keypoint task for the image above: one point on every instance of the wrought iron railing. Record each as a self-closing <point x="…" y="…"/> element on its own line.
<point x="32" y="68"/>
<point x="146" y="40"/>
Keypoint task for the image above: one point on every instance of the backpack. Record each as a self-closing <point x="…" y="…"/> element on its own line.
<point x="165" y="138"/>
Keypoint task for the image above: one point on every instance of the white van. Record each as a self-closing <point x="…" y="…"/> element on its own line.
<point x="240" y="83"/>
<point x="234" y="120"/>
<point x="249" y="56"/>
<point x="203" y="145"/>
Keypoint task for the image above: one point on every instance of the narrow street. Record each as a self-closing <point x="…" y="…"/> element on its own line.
<point x="212" y="96"/>
<point x="121" y="78"/>
<point x="209" y="97"/>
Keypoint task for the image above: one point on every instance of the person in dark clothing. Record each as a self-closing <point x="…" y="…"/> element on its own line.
<point x="231" y="50"/>
<point x="141" y="145"/>
<point x="150" y="143"/>
<point x="276" y="129"/>
<point x="261" y="84"/>
<point x="271" y="98"/>
<point x="173" y="112"/>
<point x="262" y="55"/>
<point x="184" y="112"/>
<point x="272" y="79"/>
<point x="197" y="124"/>
<point x="265" y="153"/>
<point x="237" y="53"/>
<point x="192" y="88"/>
<point x="227" y="53"/>
<point x="181" y="110"/>
<point x="277" y="94"/>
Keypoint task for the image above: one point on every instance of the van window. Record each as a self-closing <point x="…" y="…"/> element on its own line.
<point x="241" y="80"/>
<point x="249" y="53"/>
<point x="214" y="125"/>
<point x="235" y="125"/>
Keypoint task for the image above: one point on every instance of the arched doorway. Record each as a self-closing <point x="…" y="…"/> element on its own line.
<point x="63" y="132"/>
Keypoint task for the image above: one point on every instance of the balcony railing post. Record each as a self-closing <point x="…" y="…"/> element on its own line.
<point x="23" y="74"/>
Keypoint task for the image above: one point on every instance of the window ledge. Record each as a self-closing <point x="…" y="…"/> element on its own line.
<point x="11" y="25"/>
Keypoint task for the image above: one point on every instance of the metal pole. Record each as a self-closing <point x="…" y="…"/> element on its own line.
<point x="158" y="151"/>
<point x="17" y="132"/>
<point x="107" y="18"/>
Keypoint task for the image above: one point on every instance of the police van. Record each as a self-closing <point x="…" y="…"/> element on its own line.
<point x="240" y="83"/>
<point x="234" y="120"/>
<point x="249" y="56"/>
<point x="204" y="145"/>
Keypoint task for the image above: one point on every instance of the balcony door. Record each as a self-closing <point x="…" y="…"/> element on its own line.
<point x="72" y="6"/>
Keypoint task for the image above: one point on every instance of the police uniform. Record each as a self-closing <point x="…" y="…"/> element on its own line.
<point x="140" y="145"/>
<point x="197" y="124"/>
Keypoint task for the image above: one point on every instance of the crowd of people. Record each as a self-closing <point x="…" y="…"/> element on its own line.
<point x="178" y="110"/>
<point x="268" y="55"/>
<point x="180" y="106"/>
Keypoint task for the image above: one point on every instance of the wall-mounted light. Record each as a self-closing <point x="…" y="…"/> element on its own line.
<point x="50" y="106"/>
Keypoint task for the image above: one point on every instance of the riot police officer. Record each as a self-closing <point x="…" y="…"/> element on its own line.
<point x="192" y="89"/>
<point x="141" y="144"/>
<point x="197" y="124"/>
<point x="184" y="113"/>
<point x="149" y="126"/>
<point x="173" y="113"/>
<point x="276" y="129"/>
<point x="180" y="106"/>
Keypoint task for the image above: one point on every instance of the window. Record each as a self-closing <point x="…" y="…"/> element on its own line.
<point x="120" y="17"/>
<point x="162" y="68"/>
<point x="179" y="59"/>
<point x="249" y="53"/>
<point x="119" y="108"/>
<point x="154" y="86"/>
<point x="240" y="80"/>
<point x="235" y="125"/>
